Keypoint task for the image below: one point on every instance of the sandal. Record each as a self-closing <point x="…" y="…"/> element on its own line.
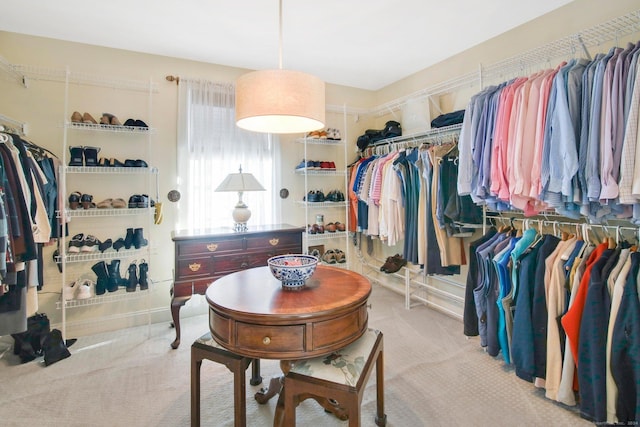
<point x="329" y="257"/>
<point x="74" y="200"/>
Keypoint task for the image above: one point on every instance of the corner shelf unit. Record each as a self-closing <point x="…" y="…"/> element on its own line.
<point x="315" y="179"/>
<point x="113" y="141"/>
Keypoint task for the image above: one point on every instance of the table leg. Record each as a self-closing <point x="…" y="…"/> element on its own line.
<point x="176" y="305"/>
<point x="266" y="393"/>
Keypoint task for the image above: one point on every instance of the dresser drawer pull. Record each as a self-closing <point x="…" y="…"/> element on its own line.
<point x="244" y="265"/>
<point x="274" y="241"/>
<point x="195" y="266"/>
<point x="266" y="340"/>
<point x="212" y="247"/>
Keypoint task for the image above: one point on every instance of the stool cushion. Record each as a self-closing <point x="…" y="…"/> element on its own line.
<point x="343" y="366"/>
<point x="207" y="340"/>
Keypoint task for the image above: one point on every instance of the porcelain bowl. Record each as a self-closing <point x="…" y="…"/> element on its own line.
<point x="292" y="270"/>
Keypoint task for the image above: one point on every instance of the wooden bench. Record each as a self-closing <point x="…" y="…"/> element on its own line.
<point x="340" y="378"/>
<point x="206" y="347"/>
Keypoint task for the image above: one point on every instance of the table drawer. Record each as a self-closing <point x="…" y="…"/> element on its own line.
<point x="325" y="332"/>
<point x="198" y="247"/>
<point x="273" y="241"/>
<point x="268" y="339"/>
<point x="193" y="268"/>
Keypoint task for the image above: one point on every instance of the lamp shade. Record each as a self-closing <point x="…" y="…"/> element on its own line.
<point x="240" y="182"/>
<point x="280" y="101"/>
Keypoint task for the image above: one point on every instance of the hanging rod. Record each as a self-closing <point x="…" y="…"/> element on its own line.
<point x="62" y="75"/>
<point x="10" y="70"/>
<point x="13" y="125"/>
<point x="568" y="46"/>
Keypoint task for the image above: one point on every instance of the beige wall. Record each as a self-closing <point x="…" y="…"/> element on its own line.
<point x="41" y="106"/>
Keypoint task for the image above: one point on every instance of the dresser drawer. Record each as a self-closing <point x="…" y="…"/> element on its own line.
<point x="208" y="246"/>
<point x="223" y="265"/>
<point x="193" y="268"/>
<point x="274" y="241"/>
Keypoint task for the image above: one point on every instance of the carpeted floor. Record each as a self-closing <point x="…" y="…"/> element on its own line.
<point x="434" y="376"/>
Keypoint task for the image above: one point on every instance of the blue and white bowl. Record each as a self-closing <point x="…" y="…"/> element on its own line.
<point x="292" y="270"/>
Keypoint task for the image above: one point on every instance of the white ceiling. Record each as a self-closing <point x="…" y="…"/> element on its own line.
<point x="366" y="44"/>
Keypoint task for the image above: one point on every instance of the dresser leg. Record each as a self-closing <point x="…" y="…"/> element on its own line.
<point x="176" y="305"/>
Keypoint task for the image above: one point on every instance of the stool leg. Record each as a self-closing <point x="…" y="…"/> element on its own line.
<point x="239" y="396"/>
<point x="255" y="372"/>
<point x="196" y="363"/>
<point x="381" y="417"/>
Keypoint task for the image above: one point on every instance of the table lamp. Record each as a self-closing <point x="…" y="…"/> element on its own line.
<point x="240" y="182"/>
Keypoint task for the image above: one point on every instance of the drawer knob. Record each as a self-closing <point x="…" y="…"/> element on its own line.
<point x="195" y="266"/>
<point x="274" y="242"/>
<point x="211" y="247"/>
<point x="244" y="265"/>
<point x="266" y="340"/>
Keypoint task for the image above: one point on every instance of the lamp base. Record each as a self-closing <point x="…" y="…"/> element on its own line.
<point x="241" y="215"/>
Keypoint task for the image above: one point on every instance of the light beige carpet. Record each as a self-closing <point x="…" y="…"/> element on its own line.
<point x="434" y="377"/>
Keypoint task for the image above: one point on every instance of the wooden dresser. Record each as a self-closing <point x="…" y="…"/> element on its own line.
<point x="203" y="257"/>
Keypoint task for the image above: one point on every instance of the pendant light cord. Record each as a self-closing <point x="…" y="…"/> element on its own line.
<point x="280" y="35"/>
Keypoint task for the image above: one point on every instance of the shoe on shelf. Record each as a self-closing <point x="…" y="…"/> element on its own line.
<point x="129" y="163"/>
<point x="75" y="243"/>
<point x="106" y="204"/>
<point x="340" y="226"/>
<point x="119" y="244"/>
<point x="134" y="200"/>
<point x="74" y="200"/>
<point x="140" y="163"/>
<point x="85" y="289"/>
<point x="138" y="238"/>
<point x="340" y="256"/>
<point x="88" y="119"/>
<point x="76" y="117"/>
<point x="86" y="200"/>
<point x="77" y="156"/>
<point x="143" y="276"/>
<point x="132" y="277"/>
<point x="130" y="122"/>
<point x="103" y="246"/>
<point x="91" y="156"/>
<point x="90" y="244"/>
<point x="336" y="135"/>
<point x="69" y="291"/>
<point x="118" y="203"/>
<point x="116" y="163"/>
<point x="301" y="166"/>
<point x="329" y="257"/>
<point x="143" y="201"/>
<point x="332" y="166"/>
<point x="314" y="134"/>
<point x="331" y="227"/>
<point x="105" y="119"/>
<point x="104" y="162"/>
<point x="140" y="124"/>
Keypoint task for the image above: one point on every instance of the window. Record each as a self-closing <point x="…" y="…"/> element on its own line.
<point x="211" y="146"/>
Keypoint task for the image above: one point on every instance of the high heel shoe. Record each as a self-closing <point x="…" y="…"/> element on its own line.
<point x="74" y="200"/>
<point x="86" y="200"/>
<point x="88" y="119"/>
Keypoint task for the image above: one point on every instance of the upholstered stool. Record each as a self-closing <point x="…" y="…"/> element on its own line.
<point x="206" y="347"/>
<point x="340" y="378"/>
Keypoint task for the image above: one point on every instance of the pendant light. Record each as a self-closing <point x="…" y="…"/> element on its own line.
<point x="280" y="101"/>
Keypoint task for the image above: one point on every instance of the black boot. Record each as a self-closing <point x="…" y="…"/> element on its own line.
<point x="118" y="244"/>
<point x="138" y="239"/>
<point x="115" y="279"/>
<point x="54" y="347"/>
<point x="128" y="239"/>
<point x="132" y="280"/>
<point x="77" y="156"/>
<point x="143" y="280"/>
<point x="100" y="268"/>
<point x="91" y="156"/>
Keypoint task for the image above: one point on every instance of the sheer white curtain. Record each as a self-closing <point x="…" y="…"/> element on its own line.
<point x="210" y="146"/>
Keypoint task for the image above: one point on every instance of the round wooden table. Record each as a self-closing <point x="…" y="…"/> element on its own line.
<point x="251" y="315"/>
